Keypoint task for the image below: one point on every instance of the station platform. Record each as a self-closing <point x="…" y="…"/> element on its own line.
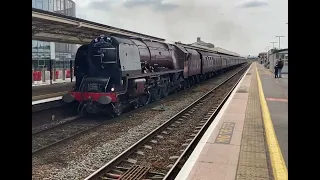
<point x="48" y="93"/>
<point x="248" y="140"/>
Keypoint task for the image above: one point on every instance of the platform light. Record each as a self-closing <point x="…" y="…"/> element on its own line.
<point x="112" y="89"/>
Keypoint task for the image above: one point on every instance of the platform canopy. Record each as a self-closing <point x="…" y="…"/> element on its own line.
<point x="53" y="27"/>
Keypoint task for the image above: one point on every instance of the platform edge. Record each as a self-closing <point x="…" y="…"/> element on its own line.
<point x="188" y="166"/>
<point x="46" y="100"/>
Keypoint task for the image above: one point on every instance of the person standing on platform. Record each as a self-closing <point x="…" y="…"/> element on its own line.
<point x="280" y="66"/>
<point x="276" y="70"/>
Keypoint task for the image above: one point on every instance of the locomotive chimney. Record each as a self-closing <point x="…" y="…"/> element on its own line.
<point x="198" y="39"/>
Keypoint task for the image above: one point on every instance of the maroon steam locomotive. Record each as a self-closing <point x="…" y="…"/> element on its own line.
<point x="116" y="72"/>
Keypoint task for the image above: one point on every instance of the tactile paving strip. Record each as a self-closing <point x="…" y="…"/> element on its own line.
<point x="253" y="159"/>
<point x="242" y="89"/>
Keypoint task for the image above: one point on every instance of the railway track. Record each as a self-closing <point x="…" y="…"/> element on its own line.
<point x="161" y="153"/>
<point x="51" y="135"/>
<point x="54" y="124"/>
<point x="52" y="115"/>
<point x="76" y="126"/>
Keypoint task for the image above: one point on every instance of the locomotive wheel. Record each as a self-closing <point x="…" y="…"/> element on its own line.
<point x="156" y="94"/>
<point x="191" y="82"/>
<point x="145" y="99"/>
<point x="182" y="86"/>
<point x="117" y="109"/>
<point x="80" y="107"/>
<point x="165" y="90"/>
<point x="83" y="111"/>
<point x="187" y="84"/>
<point x="135" y="104"/>
<point x="197" y="79"/>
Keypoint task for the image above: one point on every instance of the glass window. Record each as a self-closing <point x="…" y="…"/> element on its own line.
<point x="33" y="3"/>
<point x="62" y="5"/>
<point x="45" y="5"/>
<point x="73" y="9"/>
<point x="69" y="47"/>
<point x="58" y="5"/>
<point x="34" y="43"/>
<point x="46" y="47"/>
<point x="67" y="8"/>
<point x="40" y="44"/>
<point x="51" y="5"/>
<point x="39" y="4"/>
<point x="55" y="5"/>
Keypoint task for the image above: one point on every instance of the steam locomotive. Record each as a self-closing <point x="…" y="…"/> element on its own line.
<point x="114" y="72"/>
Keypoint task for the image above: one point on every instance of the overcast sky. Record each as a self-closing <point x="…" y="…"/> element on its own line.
<point x="242" y="26"/>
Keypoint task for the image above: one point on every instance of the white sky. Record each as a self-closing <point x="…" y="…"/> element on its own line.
<point x="242" y="26"/>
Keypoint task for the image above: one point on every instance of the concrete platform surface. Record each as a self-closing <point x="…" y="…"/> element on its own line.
<point x="276" y="95"/>
<point x="241" y="142"/>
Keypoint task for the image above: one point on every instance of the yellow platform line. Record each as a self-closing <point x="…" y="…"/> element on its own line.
<point x="279" y="168"/>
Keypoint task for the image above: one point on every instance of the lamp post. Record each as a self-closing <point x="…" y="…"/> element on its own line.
<point x="273" y="44"/>
<point x="267" y="49"/>
<point x="279" y="39"/>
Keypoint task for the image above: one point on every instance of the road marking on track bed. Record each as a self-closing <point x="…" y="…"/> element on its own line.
<point x="279" y="168"/>
<point x="225" y="133"/>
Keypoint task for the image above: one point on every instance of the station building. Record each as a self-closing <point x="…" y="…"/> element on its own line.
<point x="60" y="53"/>
<point x="275" y="55"/>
